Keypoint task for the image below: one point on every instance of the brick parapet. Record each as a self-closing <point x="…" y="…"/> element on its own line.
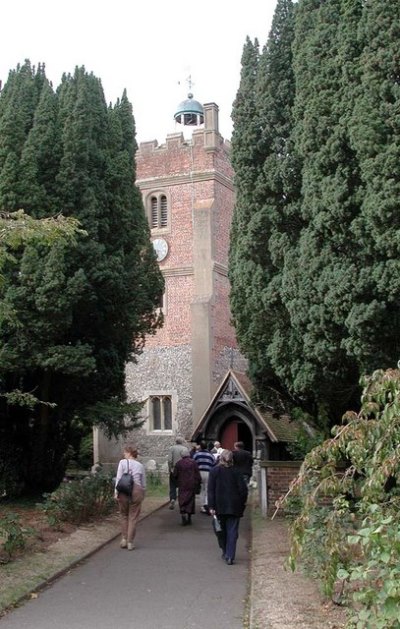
<point x="178" y="156"/>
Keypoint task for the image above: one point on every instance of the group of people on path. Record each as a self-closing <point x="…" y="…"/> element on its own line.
<point x="219" y="476"/>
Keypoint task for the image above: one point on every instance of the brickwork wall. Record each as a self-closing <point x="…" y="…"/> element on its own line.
<point x="224" y="202"/>
<point x="177" y="156"/>
<point x="162" y="369"/>
<point x="195" y="178"/>
<point x="177" y="321"/>
<point x="180" y="238"/>
<point x="279" y="476"/>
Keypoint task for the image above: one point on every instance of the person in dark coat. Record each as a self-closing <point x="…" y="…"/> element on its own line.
<point x="227" y="496"/>
<point x="188" y="480"/>
<point x="243" y="460"/>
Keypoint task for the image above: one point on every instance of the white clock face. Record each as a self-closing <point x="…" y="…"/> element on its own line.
<point x="161" y="248"/>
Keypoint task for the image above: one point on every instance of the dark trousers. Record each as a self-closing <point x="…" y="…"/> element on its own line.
<point x="229" y="535"/>
<point x="172" y="488"/>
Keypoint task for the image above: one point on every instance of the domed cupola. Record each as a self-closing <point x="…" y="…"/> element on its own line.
<point x="189" y="112"/>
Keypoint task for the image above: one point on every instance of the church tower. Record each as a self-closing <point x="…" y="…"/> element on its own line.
<point x="187" y="188"/>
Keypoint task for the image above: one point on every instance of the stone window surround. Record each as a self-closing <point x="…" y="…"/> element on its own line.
<point x="158" y="193"/>
<point x="174" y="404"/>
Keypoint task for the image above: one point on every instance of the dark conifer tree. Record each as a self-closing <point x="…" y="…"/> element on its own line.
<point x="321" y="269"/>
<point x="264" y="213"/>
<point x="276" y="220"/>
<point x="81" y="312"/>
<point x="314" y="254"/>
<point x="40" y="158"/>
<point x="374" y="318"/>
<point x="247" y="161"/>
<point x="18" y="102"/>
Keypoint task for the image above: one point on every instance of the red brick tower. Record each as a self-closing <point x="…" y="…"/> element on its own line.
<point x="187" y="187"/>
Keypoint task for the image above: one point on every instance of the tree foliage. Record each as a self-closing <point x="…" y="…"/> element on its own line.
<point x="81" y="310"/>
<point x="314" y="250"/>
<point x="348" y="528"/>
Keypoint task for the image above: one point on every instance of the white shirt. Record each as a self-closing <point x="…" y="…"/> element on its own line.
<point x="135" y="468"/>
<point x="217" y="453"/>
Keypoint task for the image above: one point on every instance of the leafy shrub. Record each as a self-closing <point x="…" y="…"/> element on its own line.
<point x="78" y="501"/>
<point x="347" y="530"/>
<point x="377" y="575"/>
<point x="13" y="533"/>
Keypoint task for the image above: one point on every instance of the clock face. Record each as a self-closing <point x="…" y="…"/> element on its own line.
<point x="161" y="248"/>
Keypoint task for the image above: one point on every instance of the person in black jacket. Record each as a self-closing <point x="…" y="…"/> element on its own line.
<point x="243" y="460"/>
<point x="227" y="495"/>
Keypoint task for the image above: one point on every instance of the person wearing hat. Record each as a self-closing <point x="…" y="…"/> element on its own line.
<point x="188" y="480"/>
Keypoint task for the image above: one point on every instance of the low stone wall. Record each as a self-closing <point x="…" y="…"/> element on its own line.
<point x="275" y="479"/>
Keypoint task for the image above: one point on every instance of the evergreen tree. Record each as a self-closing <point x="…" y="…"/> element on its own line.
<point x="81" y="312"/>
<point x="264" y="213"/>
<point x="374" y="318"/>
<point x="246" y="161"/>
<point x="40" y="158"/>
<point x="321" y="269"/>
<point x="276" y="222"/>
<point x="18" y="103"/>
<point x="315" y="241"/>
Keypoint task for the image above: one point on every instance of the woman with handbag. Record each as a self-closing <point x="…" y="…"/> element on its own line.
<point x="227" y="495"/>
<point x="129" y="496"/>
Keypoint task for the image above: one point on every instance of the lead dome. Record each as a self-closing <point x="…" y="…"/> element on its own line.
<point x="190" y="112"/>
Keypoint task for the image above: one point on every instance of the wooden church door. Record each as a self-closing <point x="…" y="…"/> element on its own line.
<point x="229" y="435"/>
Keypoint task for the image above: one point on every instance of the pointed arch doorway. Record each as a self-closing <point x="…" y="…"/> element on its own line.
<point x="231" y="416"/>
<point x="235" y="430"/>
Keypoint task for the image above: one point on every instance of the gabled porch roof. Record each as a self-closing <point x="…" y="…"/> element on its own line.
<point x="236" y="387"/>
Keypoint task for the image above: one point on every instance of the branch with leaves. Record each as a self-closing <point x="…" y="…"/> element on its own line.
<point x="349" y="487"/>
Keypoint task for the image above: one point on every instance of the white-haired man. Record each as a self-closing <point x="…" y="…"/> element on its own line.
<point x="174" y="455"/>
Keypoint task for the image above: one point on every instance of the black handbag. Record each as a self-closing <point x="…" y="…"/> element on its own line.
<point x="125" y="483"/>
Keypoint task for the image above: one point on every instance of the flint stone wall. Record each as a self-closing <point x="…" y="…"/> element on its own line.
<point x="163" y="370"/>
<point x="228" y="358"/>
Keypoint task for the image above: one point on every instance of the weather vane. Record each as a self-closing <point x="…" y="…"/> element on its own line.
<point x="189" y="82"/>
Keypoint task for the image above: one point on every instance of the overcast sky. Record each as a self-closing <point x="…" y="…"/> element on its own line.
<point x="147" y="47"/>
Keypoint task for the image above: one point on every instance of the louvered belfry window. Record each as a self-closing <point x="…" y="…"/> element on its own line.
<point x="158" y="211"/>
<point x="163" y="211"/>
<point x="154" y="212"/>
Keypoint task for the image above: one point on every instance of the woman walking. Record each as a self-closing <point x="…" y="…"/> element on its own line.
<point x="227" y="495"/>
<point x="130" y="506"/>
<point x="188" y="480"/>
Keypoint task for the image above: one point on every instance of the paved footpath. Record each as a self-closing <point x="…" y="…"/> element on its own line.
<point x="175" y="579"/>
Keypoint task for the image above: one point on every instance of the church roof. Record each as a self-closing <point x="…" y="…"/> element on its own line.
<point x="236" y="386"/>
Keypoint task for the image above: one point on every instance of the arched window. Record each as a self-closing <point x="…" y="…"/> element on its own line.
<point x="160" y="413"/>
<point x="158" y="211"/>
